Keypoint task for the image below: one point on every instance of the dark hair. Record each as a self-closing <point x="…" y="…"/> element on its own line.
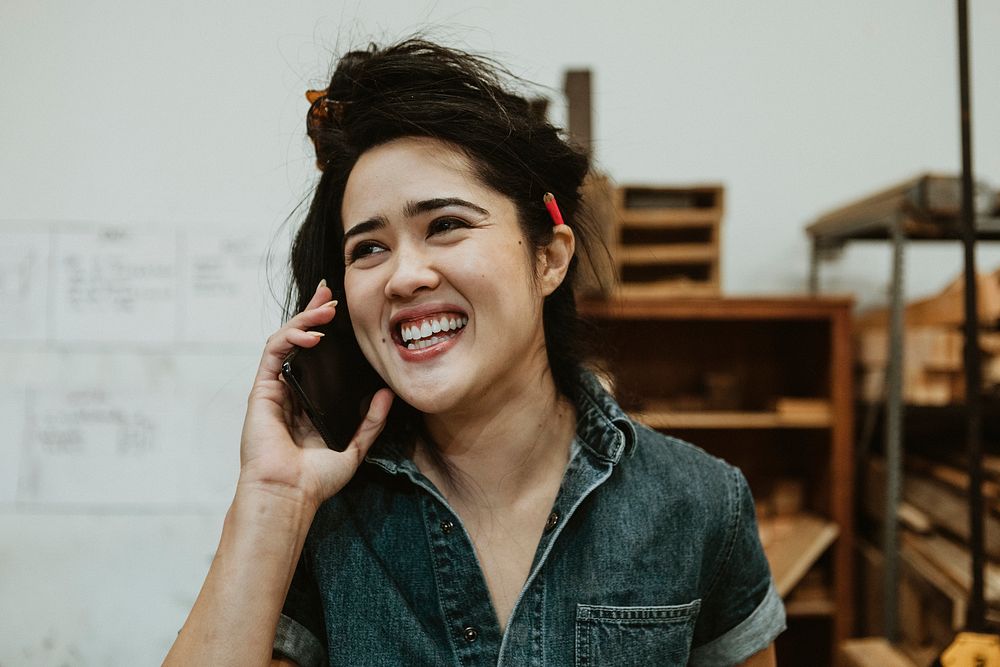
<point x="418" y="88"/>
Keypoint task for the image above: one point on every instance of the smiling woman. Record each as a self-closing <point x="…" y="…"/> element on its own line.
<point x="495" y="506"/>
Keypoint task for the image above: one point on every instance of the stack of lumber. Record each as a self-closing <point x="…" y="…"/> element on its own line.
<point x="668" y="240"/>
<point x="932" y="345"/>
<point x="935" y="572"/>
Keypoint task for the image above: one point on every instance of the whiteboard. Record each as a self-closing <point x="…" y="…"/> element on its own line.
<point x="132" y="351"/>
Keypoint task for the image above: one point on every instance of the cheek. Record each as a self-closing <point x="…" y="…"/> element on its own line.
<point x="361" y="292"/>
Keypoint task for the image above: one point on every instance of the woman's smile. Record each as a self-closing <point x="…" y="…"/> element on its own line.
<point x="424" y="332"/>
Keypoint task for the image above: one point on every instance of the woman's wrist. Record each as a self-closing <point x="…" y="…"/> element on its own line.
<point x="272" y="505"/>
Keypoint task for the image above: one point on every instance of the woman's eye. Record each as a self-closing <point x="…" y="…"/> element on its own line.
<point x="445" y="225"/>
<point x="362" y="250"/>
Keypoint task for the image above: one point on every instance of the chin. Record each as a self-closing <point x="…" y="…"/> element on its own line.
<point x="431" y="403"/>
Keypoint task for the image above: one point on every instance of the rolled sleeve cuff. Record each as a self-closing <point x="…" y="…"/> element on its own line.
<point x="752" y="635"/>
<point x="295" y="642"/>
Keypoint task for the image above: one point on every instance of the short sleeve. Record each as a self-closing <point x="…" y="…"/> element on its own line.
<point x="742" y="613"/>
<point x="301" y="634"/>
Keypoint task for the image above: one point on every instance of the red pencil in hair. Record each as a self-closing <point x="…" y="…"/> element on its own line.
<point x="550" y="203"/>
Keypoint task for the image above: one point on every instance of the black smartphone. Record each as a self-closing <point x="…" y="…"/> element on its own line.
<point x="332" y="382"/>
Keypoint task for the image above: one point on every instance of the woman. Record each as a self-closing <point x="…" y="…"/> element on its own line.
<point x="509" y="513"/>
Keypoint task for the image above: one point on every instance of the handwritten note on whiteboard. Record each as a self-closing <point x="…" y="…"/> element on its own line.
<point x="221" y="288"/>
<point x="113" y="284"/>
<point x="102" y="447"/>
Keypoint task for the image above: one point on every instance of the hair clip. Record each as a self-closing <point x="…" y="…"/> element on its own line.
<point x="550" y="203"/>
<point x="322" y="108"/>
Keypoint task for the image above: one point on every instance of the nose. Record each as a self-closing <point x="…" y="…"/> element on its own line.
<point x="412" y="273"/>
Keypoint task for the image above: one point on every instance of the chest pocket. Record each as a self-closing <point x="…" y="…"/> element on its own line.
<point x="619" y="636"/>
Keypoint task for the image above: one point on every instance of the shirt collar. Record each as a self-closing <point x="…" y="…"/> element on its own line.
<point x="602" y="427"/>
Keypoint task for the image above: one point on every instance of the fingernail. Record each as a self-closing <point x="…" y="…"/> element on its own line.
<point x="322" y="283"/>
<point x="330" y="304"/>
<point x="317" y="334"/>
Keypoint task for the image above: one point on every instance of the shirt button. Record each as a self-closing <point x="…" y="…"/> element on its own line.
<point x="470" y="634"/>
<point x="446" y="527"/>
<point x="551" y="522"/>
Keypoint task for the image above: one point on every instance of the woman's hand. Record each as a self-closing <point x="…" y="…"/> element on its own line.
<point x="280" y="450"/>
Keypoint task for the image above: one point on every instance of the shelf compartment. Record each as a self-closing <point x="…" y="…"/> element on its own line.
<point x="793" y="544"/>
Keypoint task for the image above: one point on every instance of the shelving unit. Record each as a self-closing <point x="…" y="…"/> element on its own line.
<point x="668" y="239"/>
<point x="765" y="383"/>
<point x="925" y="208"/>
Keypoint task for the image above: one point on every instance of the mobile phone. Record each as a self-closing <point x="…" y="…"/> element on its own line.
<point x="332" y="382"/>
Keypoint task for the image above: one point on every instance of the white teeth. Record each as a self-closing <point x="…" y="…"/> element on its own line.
<point x="419" y="336"/>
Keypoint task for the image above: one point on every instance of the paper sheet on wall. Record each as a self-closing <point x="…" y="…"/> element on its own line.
<point x="102" y="447"/>
<point x="221" y="288"/>
<point x="114" y="284"/>
<point x="23" y="284"/>
<point x="12" y="416"/>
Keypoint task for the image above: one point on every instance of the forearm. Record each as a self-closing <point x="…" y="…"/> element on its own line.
<point x="235" y="617"/>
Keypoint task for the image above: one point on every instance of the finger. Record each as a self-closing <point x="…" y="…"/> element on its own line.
<point x="277" y="348"/>
<point x="322" y="294"/>
<point x="372" y="425"/>
<point x="312" y="317"/>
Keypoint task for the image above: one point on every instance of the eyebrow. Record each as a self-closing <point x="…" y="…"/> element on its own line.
<point x="411" y="209"/>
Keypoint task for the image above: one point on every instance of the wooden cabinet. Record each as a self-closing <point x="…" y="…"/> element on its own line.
<point x="764" y="383"/>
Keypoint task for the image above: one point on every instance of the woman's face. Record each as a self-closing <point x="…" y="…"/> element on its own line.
<point x="439" y="280"/>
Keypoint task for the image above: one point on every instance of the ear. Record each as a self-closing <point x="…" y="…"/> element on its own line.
<point x="554" y="258"/>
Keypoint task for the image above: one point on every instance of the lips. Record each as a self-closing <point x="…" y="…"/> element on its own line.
<point x="425" y="326"/>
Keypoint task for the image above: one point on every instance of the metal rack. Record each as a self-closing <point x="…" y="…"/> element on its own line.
<point x="925" y="208"/>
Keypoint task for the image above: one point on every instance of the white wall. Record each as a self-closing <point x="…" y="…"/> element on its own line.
<point x="179" y="127"/>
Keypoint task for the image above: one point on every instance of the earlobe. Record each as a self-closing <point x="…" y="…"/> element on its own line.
<point x="556" y="258"/>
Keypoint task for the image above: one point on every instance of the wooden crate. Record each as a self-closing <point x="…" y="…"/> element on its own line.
<point x="668" y="240"/>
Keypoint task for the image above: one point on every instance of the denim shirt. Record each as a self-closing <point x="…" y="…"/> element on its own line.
<point x="650" y="556"/>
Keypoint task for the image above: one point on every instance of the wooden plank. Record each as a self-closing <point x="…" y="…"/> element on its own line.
<point x="924" y="205"/>
<point x="950" y="475"/>
<point x="871" y="652"/>
<point x="792" y="544"/>
<point x="720" y="419"/>
<point x="946" y="509"/>
<point x="917" y="564"/>
<point x="710" y="308"/>
<point x="576" y="86"/>
<point x="953" y="560"/>
<point x="669" y="253"/>
<point x="668" y="289"/>
<point x="913" y="518"/>
<point x="658" y="218"/>
<point x="804" y="411"/>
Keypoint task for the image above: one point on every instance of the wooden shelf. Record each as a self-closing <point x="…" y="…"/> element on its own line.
<point x="666" y="253"/>
<point x="792" y="544"/>
<point x="713" y="419"/>
<point x="824" y="606"/>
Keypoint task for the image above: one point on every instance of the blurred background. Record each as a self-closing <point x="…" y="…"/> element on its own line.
<point x="152" y="153"/>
